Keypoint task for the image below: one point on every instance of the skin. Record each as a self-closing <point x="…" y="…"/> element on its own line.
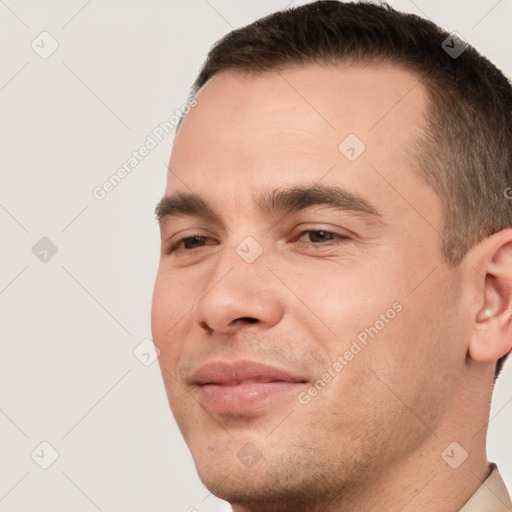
<point x="372" y="439"/>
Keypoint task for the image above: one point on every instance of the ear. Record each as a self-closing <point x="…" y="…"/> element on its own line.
<point x="492" y="324"/>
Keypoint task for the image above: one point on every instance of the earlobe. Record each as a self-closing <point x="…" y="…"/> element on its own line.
<point x="484" y="315"/>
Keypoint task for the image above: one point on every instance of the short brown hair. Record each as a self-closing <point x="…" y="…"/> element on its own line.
<point x="465" y="152"/>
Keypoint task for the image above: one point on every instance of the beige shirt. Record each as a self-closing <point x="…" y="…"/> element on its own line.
<point x="491" y="496"/>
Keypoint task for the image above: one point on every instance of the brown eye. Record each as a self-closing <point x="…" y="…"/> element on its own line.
<point x="320" y="237"/>
<point x="189" y="243"/>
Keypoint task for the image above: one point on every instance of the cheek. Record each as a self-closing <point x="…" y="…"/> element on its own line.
<point x="398" y="334"/>
<point x="161" y="312"/>
<point x="168" y="317"/>
<point x="418" y="356"/>
<point x="172" y="299"/>
<point x="345" y="297"/>
<point x="166" y="311"/>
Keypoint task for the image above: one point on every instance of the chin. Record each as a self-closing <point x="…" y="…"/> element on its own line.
<point x="254" y="493"/>
<point x="279" y="484"/>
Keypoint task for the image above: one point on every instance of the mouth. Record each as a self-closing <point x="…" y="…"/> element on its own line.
<point x="241" y="386"/>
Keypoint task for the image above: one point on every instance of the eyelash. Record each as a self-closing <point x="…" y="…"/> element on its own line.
<point x="340" y="239"/>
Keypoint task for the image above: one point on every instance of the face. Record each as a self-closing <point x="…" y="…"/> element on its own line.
<point x="302" y="305"/>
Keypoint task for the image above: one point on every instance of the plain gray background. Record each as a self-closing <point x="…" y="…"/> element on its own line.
<point x="70" y="321"/>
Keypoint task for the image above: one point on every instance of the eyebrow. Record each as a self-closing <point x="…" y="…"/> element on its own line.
<point x="289" y="200"/>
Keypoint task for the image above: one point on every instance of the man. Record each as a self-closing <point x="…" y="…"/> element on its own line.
<point x="333" y="302"/>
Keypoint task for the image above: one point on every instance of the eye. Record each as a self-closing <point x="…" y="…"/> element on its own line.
<point x="321" y="237"/>
<point x="317" y="237"/>
<point x="189" y="243"/>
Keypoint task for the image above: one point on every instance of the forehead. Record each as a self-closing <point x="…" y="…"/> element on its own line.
<point x="362" y="96"/>
<point x="345" y="125"/>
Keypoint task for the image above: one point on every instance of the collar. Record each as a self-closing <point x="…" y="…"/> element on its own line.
<point x="491" y="496"/>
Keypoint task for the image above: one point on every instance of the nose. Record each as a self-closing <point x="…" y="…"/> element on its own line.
<point x="239" y="295"/>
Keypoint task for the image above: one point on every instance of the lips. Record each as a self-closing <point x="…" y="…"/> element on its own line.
<point x="241" y="386"/>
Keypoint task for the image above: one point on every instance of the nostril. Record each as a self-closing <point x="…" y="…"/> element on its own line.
<point x="206" y="327"/>
<point x="247" y="319"/>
